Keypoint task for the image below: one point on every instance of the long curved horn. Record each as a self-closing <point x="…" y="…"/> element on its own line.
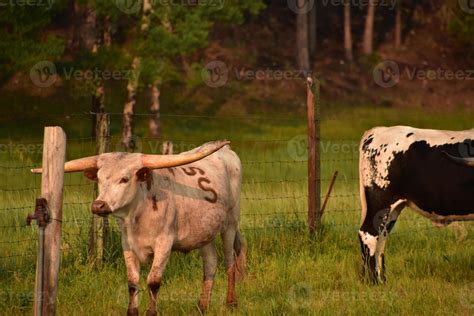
<point x="169" y="161"/>
<point x="76" y="165"/>
<point x="468" y="162"/>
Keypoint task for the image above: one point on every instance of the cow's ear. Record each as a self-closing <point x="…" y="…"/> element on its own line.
<point x="91" y="173"/>
<point x="144" y="174"/>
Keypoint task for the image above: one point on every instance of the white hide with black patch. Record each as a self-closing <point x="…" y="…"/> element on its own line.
<point x="403" y="166"/>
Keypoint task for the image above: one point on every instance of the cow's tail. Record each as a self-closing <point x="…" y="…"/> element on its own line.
<point x="240" y="257"/>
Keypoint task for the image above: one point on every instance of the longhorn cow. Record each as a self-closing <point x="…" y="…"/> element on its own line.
<point x="403" y="166"/>
<point x="171" y="202"/>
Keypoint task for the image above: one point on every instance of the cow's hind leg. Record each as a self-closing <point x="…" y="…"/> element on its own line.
<point x="373" y="236"/>
<point x="209" y="258"/>
<point x="228" y="238"/>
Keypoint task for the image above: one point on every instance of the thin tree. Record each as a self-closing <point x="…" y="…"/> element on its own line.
<point x="368" y="43"/>
<point x="348" y="31"/>
<point x="312" y="31"/>
<point x="302" y="37"/>
<point x="398" y="25"/>
<point x="154" y="124"/>
<point x="103" y="39"/>
<point x="132" y="85"/>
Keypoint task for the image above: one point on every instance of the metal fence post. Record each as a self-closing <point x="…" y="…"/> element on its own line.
<point x="99" y="230"/>
<point x="52" y="181"/>
<point x="314" y="156"/>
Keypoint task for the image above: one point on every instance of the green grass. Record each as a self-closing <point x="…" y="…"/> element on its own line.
<point x="429" y="270"/>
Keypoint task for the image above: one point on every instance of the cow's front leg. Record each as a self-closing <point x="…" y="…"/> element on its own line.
<point x="209" y="258"/>
<point x="162" y="254"/>
<point x="133" y="275"/>
<point x="373" y="237"/>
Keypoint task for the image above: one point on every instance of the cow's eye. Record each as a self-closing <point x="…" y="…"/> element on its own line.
<point x="124" y="180"/>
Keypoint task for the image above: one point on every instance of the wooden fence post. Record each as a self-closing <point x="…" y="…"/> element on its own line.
<point x="52" y="180"/>
<point x="99" y="230"/>
<point x="314" y="156"/>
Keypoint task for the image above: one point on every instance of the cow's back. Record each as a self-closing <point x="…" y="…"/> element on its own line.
<point x="409" y="163"/>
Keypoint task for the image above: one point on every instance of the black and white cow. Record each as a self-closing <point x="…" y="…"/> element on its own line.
<point x="403" y="166"/>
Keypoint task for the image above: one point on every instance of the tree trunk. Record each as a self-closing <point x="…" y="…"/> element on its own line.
<point x="302" y="38"/>
<point x="98" y="96"/>
<point x="312" y="31"/>
<point x="74" y="42"/>
<point x="97" y="104"/>
<point x="154" y="120"/>
<point x="368" y="44"/>
<point x="107" y="37"/>
<point x="129" y="108"/>
<point x="398" y="26"/>
<point x="348" y="31"/>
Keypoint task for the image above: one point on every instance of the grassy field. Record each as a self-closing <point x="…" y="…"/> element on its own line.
<point x="429" y="270"/>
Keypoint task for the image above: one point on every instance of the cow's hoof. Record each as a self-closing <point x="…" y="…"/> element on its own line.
<point x="151" y="313"/>
<point x="232" y="304"/>
<point x="203" y="307"/>
<point x="132" y="312"/>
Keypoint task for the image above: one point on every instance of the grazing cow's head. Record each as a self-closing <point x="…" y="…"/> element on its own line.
<point x="120" y="174"/>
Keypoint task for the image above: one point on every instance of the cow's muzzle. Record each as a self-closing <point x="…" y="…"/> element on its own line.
<point x="101" y="208"/>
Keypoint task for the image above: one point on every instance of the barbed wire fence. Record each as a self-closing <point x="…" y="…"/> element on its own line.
<point x="274" y="188"/>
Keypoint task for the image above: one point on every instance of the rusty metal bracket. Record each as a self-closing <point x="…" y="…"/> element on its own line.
<point x="328" y="194"/>
<point x="41" y="214"/>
